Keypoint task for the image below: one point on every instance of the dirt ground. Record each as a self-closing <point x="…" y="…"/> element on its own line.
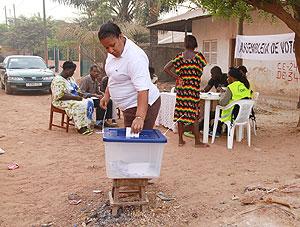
<point x="209" y="186"/>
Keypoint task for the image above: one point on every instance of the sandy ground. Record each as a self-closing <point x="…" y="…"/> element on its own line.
<point x="207" y="184"/>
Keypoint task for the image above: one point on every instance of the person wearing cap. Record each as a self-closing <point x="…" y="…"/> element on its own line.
<point x="66" y="95"/>
<point x="238" y="88"/>
<point x="129" y="83"/>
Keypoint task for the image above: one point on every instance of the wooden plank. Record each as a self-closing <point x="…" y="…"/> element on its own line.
<point x="129" y="182"/>
<point x="129" y="191"/>
<point x="133" y="203"/>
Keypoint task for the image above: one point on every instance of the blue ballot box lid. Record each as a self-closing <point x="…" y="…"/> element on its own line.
<point x="146" y="136"/>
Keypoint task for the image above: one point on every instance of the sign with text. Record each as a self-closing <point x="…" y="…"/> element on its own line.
<point x="266" y="47"/>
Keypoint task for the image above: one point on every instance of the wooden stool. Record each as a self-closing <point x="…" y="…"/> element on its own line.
<point x="130" y="187"/>
<point x="63" y="122"/>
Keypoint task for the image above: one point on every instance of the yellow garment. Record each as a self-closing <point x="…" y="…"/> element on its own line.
<point x="238" y="91"/>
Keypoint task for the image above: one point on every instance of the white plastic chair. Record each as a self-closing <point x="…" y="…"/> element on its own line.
<point x="255" y="98"/>
<point x="172" y="90"/>
<point x="242" y="119"/>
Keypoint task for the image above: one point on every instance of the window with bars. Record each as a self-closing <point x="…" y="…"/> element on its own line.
<point x="210" y="51"/>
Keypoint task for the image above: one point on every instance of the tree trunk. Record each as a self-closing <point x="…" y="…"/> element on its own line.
<point x="297" y="54"/>
<point x="153" y="17"/>
<point x="240" y="31"/>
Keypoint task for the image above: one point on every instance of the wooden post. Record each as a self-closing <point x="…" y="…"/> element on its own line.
<point x="129" y="187"/>
<point x="240" y="31"/>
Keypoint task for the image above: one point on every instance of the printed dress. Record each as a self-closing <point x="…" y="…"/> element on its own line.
<point x="80" y="111"/>
<point x="188" y="95"/>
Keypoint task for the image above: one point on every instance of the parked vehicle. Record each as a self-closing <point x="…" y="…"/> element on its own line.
<point x="25" y="73"/>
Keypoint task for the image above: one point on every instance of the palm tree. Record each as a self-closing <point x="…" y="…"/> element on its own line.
<point x="121" y="10"/>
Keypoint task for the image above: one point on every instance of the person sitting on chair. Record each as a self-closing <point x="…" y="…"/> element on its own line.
<point x="217" y="80"/>
<point x="90" y="86"/>
<point x="238" y="88"/>
<point x="67" y="96"/>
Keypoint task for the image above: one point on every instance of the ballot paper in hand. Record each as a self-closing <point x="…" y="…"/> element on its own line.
<point x="130" y="134"/>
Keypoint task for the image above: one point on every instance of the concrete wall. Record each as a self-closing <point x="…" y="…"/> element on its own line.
<point x="215" y="29"/>
<point x="277" y="81"/>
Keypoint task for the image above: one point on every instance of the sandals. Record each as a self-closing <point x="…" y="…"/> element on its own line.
<point x="85" y="131"/>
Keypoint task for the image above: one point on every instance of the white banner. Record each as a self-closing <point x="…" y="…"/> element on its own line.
<point x="265" y="47"/>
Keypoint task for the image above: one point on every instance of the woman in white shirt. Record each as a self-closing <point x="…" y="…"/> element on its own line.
<point x="129" y="83"/>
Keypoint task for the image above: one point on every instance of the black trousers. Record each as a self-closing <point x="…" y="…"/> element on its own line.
<point x="211" y="123"/>
<point x="100" y="112"/>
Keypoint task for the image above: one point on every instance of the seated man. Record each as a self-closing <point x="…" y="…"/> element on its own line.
<point x="103" y="85"/>
<point x="90" y="86"/>
<point x="218" y="80"/>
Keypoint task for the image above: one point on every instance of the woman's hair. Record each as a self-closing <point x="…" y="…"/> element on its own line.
<point x="109" y="29"/>
<point x="69" y="65"/>
<point x="234" y="72"/>
<point x="243" y="69"/>
<point x="190" y="42"/>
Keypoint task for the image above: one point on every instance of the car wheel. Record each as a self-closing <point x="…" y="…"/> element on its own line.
<point x="8" y="89"/>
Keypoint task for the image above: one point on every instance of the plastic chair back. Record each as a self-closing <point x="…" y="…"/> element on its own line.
<point x="244" y="111"/>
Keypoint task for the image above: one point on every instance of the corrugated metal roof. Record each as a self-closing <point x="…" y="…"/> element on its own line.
<point x="179" y="23"/>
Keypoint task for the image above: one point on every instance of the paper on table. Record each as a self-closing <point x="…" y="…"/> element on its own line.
<point x="130" y="134"/>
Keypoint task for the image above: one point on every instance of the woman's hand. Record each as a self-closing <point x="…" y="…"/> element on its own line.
<point x="180" y="82"/>
<point x="104" y="102"/>
<point x="78" y="98"/>
<point x="137" y="124"/>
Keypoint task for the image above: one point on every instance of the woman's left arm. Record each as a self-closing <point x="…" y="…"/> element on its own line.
<point x="141" y="112"/>
<point x="225" y="97"/>
<point x="168" y="70"/>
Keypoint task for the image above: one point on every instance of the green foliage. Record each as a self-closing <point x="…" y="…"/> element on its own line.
<point x="135" y="32"/>
<point x="26" y="34"/>
<point x="226" y="8"/>
<point x="95" y="12"/>
<point x="121" y="10"/>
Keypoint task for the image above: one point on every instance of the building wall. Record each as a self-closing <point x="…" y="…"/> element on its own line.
<point x="273" y="79"/>
<point x="213" y="29"/>
<point x="277" y="81"/>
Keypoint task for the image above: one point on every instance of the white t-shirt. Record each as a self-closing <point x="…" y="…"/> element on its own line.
<point x="129" y="74"/>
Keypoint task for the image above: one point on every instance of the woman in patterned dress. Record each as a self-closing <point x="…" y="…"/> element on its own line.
<point x="66" y="96"/>
<point x="188" y="66"/>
